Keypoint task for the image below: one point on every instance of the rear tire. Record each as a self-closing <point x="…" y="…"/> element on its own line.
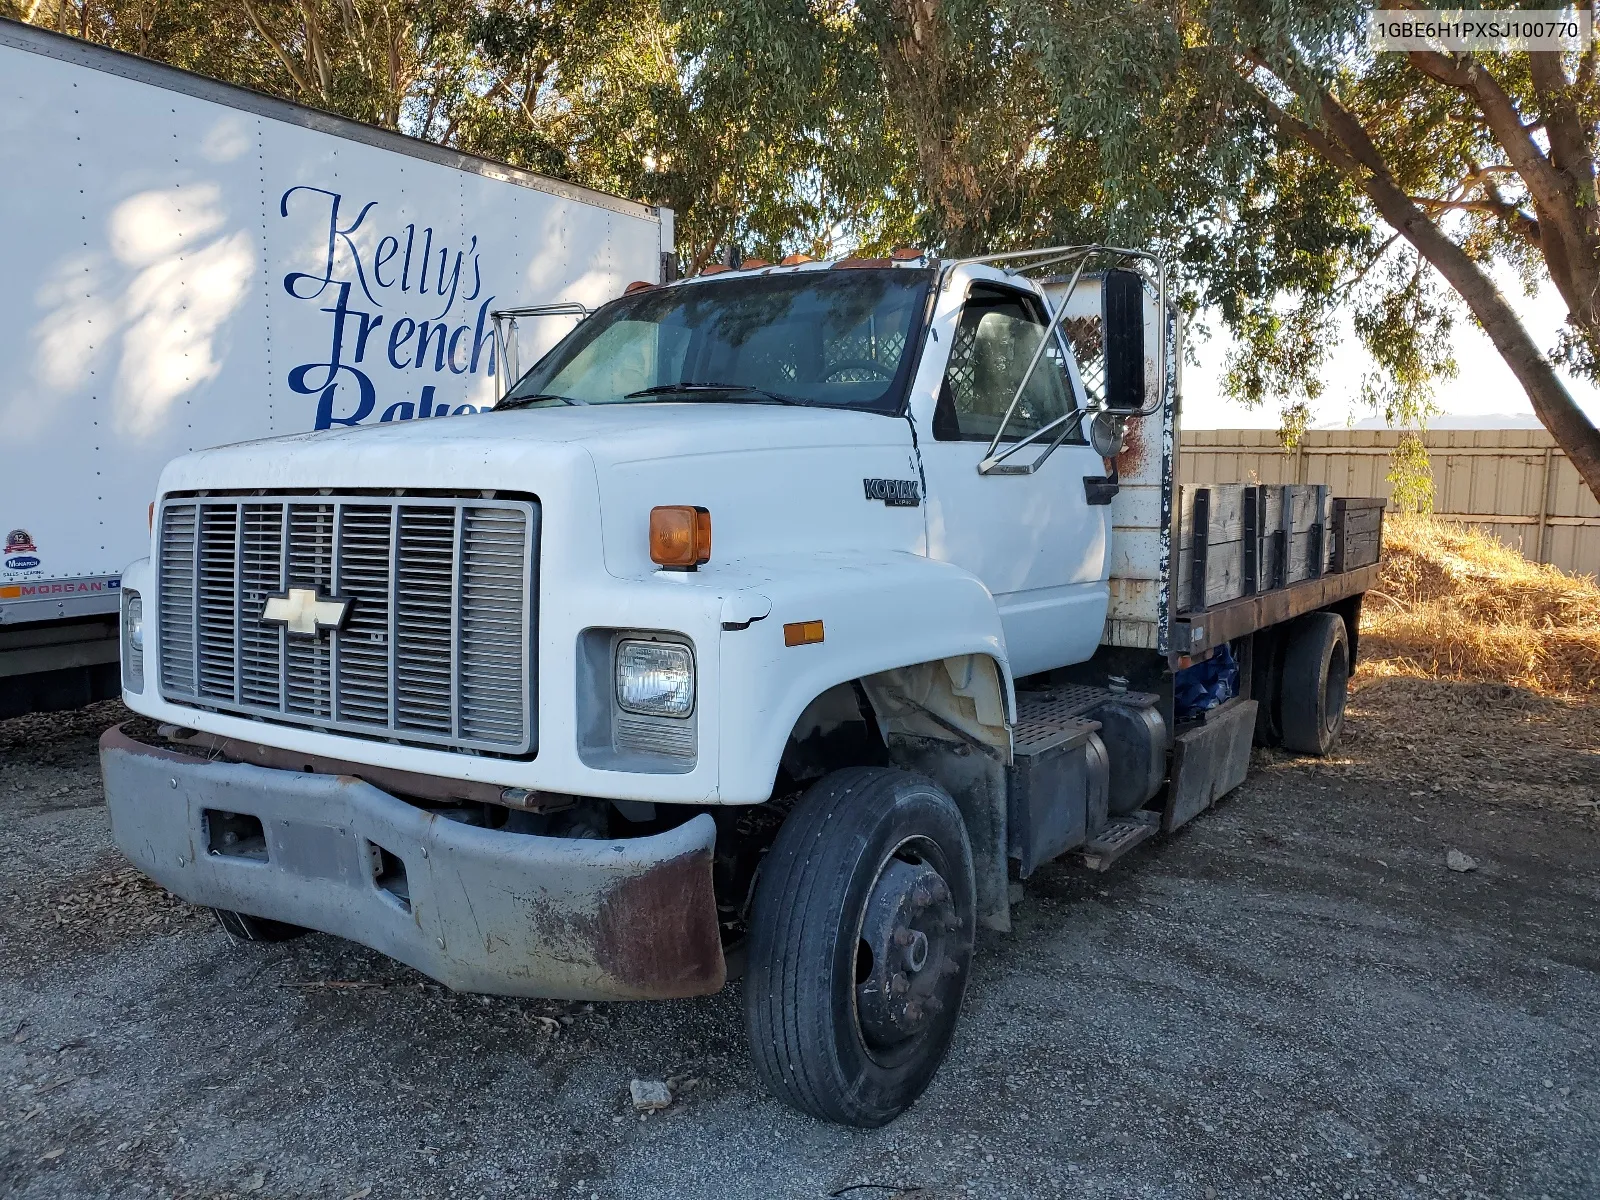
<point x="246" y="928"/>
<point x="860" y="945"/>
<point x="1316" y="679"/>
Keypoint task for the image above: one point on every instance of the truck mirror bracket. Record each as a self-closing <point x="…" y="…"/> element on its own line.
<point x="1099" y="489"/>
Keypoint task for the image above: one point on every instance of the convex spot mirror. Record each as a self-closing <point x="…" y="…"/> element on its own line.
<point x="1122" y="298"/>
<point x="1106" y="433"/>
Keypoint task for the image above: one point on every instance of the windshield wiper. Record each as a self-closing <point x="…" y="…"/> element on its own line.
<point x="677" y="389"/>
<point x="524" y="401"/>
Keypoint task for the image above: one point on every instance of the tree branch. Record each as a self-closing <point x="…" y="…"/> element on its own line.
<point x="1521" y="223"/>
<point x="1351" y="284"/>
<point x="1550" y="398"/>
<point x="1551" y="190"/>
<point x="300" y="81"/>
<point x="1569" y="150"/>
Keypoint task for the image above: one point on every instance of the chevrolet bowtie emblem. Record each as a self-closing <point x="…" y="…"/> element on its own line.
<point x="302" y="611"/>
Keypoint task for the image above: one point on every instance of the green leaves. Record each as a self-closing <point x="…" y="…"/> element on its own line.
<point x="828" y="126"/>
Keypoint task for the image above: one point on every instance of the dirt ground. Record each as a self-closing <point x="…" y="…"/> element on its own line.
<point x="1293" y="997"/>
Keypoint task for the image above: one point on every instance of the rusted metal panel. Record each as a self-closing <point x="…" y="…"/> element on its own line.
<point x="1141" y="511"/>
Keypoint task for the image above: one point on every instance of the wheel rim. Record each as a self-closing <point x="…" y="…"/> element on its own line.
<point x="910" y="953"/>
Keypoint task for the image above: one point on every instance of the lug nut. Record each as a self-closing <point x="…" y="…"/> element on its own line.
<point x="934" y="1004"/>
<point x="902" y="937"/>
<point x="921" y="897"/>
<point x="941" y="893"/>
<point x="913" y="1011"/>
<point x="899" y="984"/>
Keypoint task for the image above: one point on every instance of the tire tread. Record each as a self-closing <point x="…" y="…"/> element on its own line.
<point x="1301" y="696"/>
<point x="787" y="1015"/>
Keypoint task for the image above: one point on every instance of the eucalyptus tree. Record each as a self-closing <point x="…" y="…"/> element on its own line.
<point x="1399" y="181"/>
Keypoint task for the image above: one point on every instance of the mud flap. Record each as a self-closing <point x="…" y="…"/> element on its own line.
<point x="1209" y="761"/>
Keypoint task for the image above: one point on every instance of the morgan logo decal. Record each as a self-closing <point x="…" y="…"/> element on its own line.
<point x="896" y="493"/>
<point x="302" y="611"/>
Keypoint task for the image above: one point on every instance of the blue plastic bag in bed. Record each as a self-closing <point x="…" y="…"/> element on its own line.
<point x="1206" y="684"/>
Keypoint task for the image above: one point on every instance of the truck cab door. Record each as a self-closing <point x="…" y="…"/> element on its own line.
<point x="1033" y="539"/>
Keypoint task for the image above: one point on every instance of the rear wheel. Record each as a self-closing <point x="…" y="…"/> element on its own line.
<point x="860" y="945"/>
<point x="256" y="929"/>
<point x="1316" y="678"/>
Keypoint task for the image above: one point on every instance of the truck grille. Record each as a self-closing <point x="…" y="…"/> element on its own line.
<point x="434" y="647"/>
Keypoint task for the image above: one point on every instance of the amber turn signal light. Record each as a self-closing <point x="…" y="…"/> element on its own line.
<point x="802" y="633"/>
<point x="680" y="536"/>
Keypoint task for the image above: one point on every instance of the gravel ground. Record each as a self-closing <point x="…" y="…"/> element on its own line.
<point x="1293" y="997"/>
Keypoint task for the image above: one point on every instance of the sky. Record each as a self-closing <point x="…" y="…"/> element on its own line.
<point x="1484" y="394"/>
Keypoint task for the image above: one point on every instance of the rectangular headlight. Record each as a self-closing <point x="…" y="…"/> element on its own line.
<point x="655" y="679"/>
<point x="132" y="642"/>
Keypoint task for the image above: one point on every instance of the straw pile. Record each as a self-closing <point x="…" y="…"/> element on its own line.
<point x="1454" y="603"/>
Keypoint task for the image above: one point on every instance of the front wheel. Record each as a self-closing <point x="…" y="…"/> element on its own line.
<point x="860" y="945"/>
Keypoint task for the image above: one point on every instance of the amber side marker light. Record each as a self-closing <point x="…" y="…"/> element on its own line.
<point x="680" y="536"/>
<point x="802" y="633"/>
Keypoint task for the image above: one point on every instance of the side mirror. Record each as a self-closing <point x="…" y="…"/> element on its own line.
<point x="1122" y="321"/>
<point x="1106" y="433"/>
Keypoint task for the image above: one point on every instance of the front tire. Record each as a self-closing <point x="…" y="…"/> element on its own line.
<point x="1316" y="680"/>
<point x="860" y="945"/>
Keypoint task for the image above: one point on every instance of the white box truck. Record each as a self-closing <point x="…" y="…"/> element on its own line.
<point x="777" y="619"/>
<point x="190" y="263"/>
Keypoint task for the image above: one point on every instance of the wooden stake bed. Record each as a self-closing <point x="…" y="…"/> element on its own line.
<point x="1188" y="563"/>
<point x="1254" y="555"/>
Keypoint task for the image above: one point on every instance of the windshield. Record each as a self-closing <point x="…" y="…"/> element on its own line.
<point x="834" y="338"/>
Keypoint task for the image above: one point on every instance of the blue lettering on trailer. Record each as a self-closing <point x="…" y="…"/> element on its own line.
<point x="405" y="264"/>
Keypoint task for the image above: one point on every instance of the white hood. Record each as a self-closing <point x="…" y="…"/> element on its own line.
<point x="774" y="477"/>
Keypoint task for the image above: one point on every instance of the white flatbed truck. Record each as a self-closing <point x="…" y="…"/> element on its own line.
<point x="781" y="617"/>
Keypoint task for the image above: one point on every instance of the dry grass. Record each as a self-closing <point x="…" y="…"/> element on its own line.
<point x="1454" y="603"/>
<point x="1480" y="674"/>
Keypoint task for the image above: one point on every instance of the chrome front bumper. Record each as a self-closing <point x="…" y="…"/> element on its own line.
<point x="480" y="910"/>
